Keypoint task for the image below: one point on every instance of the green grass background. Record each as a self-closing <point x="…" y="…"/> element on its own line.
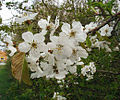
<point x="5" y="80"/>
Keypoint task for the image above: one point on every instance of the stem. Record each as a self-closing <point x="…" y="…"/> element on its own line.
<point x="114" y="28"/>
<point x="109" y="72"/>
<point x="104" y="23"/>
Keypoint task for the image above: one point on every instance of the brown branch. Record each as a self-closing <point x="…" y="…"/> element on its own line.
<point x="104" y="23"/>
<point x="114" y="28"/>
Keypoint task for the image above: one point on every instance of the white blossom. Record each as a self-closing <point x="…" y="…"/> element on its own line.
<point x="34" y="44"/>
<point x="88" y="70"/>
<point x="60" y="55"/>
<point x="106" y="30"/>
<point x="61" y="46"/>
<point x="25" y="17"/>
<point x="103" y="45"/>
<point x="78" y="52"/>
<point x="10" y="45"/>
<point x="76" y="32"/>
<point x="90" y="26"/>
<point x="116" y="48"/>
<point x="47" y="25"/>
<point x="56" y="96"/>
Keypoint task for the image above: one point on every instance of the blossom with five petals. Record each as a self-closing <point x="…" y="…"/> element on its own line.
<point x="76" y="32"/>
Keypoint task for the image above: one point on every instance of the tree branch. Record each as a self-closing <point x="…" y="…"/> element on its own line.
<point x="114" y="28"/>
<point x="109" y="72"/>
<point x="104" y="23"/>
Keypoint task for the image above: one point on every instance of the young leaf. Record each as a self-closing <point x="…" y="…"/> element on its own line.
<point x="88" y="42"/>
<point x="20" y="69"/>
<point x="25" y="73"/>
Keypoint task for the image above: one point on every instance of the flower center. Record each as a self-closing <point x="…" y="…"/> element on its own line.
<point x="106" y="30"/>
<point x="59" y="47"/>
<point x="48" y="27"/>
<point x="50" y="51"/>
<point x="72" y="34"/>
<point x="34" y="45"/>
<point x="74" y="52"/>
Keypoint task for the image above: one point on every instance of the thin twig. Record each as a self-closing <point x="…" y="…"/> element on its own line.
<point x="45" y="5"/>
<point x="114" y="28"/>
<point x="116" y="24"/>
<point x="109" y="72"/>
<point x="104" y="23"/>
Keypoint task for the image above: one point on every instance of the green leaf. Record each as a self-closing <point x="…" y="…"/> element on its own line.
<point x="88" y="42"/>
<point x="0" y="20"/>
<point x="25" y="73"/>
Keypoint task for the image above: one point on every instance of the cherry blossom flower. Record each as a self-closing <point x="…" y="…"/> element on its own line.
<point x="70" y="66"/>
<point x="106" y="30"/>
<point x="88" y="70"/>
<point x="76" y="32"/>
<point x="116" y="48"/>
<point x="78" y="52"/>
<point x="25" y="17"/>
<point x="10" y="45"/>
<point x="61" y="46"/>
<point x="60" y="55"/>
<point x="56" y="96"/>
<point x="34" y="44"/>
<point x="90" y="26"/>
<point x="53" y="68"/>
<point x="47" y="25"/>
<point x="103" y="45"/>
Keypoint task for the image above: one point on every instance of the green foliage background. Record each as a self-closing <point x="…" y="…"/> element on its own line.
<point x="104" y="86"/>
<point x="106" y="82"/>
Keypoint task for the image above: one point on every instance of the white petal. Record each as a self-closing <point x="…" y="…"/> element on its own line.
<point x="69" y="62"/>
<point x="51" y="45"/>
<point x="24" y="47"/>
<point x="56" y="22"/>
<point x="76" y="25"/>
<point x="66" y="28"/>
<point x="39" y="38"/>
<point x="32" y="63"/>
<point x="48" y="18"/>
<point x="54" y="39"/>
<point x="81" y="37"/>
<point x="62" y="34"/>
<point x="37" y="74"/>
<point x="72" y="69"/>
<point x="60" y="76"/>
<point x="19" y="20"/>
<point x="28" y="37"/>
<point x="43" y="23"/>
<point x="35" y="53"/>
<point x="80" y="63"/>
<point x="82" y="53"/>
<point x="43" y="32"/>
<point x="42" y="47"/>
<point x="67" y="51"/>
<point x="31" y="16"/>
<point x="8" y="40"/>
<point x="12" y="49"/>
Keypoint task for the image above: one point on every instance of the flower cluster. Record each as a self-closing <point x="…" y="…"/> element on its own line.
<point x="58" y="97"/>
<point x="96" y="43"/>
<point x="88" y="71"/>
<point x="56" y="55"/>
